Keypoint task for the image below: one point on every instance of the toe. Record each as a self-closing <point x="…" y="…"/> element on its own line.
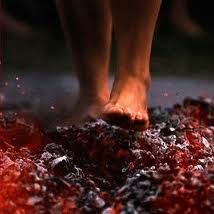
<point x="141" y="121"/>
<point x="116" y="114"/>
<point x="106" y="107"/>
<point x="113" y="113"/>
<point x="116" y="110"/>
<point x="123" y="116"/>
<point x="112" y="109"/>
<point x="133" y="116"/>
<point x="127" y="111"/>
<point x="139" y="116"/>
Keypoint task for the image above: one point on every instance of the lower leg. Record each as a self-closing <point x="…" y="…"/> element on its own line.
<point x="134" y="23"/>
<point x="87" y="26"/>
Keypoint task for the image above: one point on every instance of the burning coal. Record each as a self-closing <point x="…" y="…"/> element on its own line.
<point x="99" y="168"/>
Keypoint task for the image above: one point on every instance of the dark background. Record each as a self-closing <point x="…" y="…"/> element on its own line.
<point x="181" y="66"/>
<point x="174" y="52"/>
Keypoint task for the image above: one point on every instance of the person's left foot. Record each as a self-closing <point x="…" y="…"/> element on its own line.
<point x="127" y="106"/>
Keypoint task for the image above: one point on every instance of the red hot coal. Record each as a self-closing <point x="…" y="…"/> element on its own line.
<point x="99" y="168"/>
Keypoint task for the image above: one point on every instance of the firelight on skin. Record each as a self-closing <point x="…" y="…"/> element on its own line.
<point x="88" y="27"/>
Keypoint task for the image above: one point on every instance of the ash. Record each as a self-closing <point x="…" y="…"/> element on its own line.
<point x="99" y="168"/>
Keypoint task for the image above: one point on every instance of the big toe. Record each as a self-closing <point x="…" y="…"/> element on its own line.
<point x="124" y="117"/>
<point x="111" y="109"/>
<point x="116" y="114"/>
<point x="141" y="120"/>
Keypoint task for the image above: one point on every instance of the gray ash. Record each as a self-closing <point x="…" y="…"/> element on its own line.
<point x="99" y="168"/>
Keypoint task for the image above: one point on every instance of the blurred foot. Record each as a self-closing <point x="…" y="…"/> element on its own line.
<point x="187" y="26"/>
<point x="85" y="110"/>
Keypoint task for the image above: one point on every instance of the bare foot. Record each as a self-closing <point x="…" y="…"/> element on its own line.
<point x="84" y="110"/>
<point x="128" y="104"/>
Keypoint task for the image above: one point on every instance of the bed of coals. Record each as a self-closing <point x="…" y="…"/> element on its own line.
<point x="99" y="168"/>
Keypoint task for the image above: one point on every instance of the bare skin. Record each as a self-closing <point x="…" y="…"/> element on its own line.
<point x="88" y="31"/>
<point x="134" y="25"/>
<point x="88" y="28"/>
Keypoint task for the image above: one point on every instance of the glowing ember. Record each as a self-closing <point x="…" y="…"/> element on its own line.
<point x="17" y="131"/>
<point x="168" y="168"/>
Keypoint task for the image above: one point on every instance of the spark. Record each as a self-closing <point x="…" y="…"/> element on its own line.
<point x="52" y="107"/>
<point x="165" y="94"/>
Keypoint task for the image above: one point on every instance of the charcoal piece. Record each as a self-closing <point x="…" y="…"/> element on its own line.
<point x="99" y="168"/>
<point x="61" y="166"/>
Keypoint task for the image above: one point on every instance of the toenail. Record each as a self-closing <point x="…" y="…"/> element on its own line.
<point x="107" y="107"/>
<point x="133" y="115"/>
<point x="139" y="116"/>
<point x="116" y="110"/>
<point x="127" y="111"/>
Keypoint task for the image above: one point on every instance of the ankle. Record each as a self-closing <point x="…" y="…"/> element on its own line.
<point x="135" y="79"/>
<point x="94" y="97"/>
